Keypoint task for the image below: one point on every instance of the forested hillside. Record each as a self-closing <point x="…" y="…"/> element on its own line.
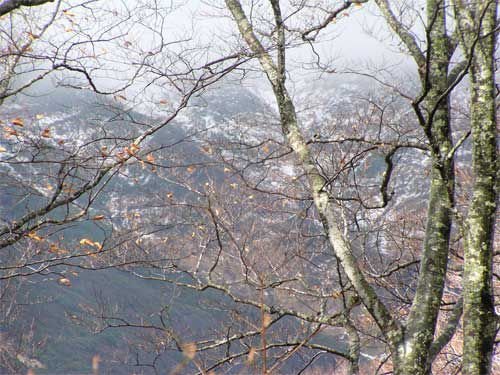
<point x="272" y="187"/>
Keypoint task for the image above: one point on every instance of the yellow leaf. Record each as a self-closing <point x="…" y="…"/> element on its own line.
<point x="86" y="241"/>
<point x="2" y="149"/>
<point x="49" y="186"/>
<point x="39" y="116"/>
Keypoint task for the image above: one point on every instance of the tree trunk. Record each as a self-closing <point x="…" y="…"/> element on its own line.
<point x="413" y="350"/>
<point x="479" y="321"/>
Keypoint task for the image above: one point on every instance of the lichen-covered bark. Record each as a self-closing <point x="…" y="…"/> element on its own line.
<point x="413" y="350"/>
<point x="478" y="41"/>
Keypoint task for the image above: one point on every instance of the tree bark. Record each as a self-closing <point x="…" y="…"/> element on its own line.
<point x="433" y="110"/>
<point x="7" y="6"/>
<point x="478" y="39"/>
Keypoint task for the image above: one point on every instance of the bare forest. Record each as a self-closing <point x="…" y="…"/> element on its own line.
<point x="249" y="187"/>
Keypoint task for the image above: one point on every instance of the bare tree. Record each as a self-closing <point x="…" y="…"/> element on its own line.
<point x="303" y="230"/>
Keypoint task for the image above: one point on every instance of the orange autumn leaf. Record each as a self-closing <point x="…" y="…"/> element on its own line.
<point x="64" y="281"/>
<point x="18" y="121"/>
<point x="266" y="321"/>
<point x="34" y="236"/>
<point x="189" y="350"/>
<point x="46" y="133"/>
<point x="98" y="217"/>
<point x="251" y="355"/>
<point x="86" y="241"/>
<point x="9" y="131"/>
<point x="190" y="169"/>
<point x="150" y="158"/>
